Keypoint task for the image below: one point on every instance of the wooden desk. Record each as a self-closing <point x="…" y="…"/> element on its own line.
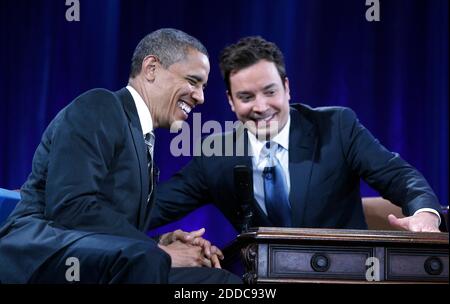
<point x="291" y="255"/>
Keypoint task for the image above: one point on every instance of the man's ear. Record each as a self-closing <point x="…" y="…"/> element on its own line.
<point x="230" y="101"/>
<point x="149" y="67"/>
<point x="286" y="88"/>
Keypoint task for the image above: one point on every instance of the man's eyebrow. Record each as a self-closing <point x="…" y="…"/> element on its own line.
<point x="267" y="87"/>
<point x="270" y="86"/>
<point x="196" y="78"/>
<point x="243" y="93"/>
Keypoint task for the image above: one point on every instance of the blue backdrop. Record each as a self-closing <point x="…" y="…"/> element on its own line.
<point x="393" y="73"/>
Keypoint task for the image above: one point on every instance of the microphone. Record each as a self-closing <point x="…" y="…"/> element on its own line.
<point x="243" y="183"/>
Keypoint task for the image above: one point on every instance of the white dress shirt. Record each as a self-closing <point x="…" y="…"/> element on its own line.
<point x="260" y="161"/>
<point x="143" y="111"/>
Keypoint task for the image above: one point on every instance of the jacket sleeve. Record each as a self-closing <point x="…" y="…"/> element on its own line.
<point x="385" y="171"/>
<point x="184" y="192"/>
<point x="86" y="136"/>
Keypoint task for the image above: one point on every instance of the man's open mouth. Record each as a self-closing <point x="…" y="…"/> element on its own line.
<point x="184" y="106"/>
<point x="264" y="120"/>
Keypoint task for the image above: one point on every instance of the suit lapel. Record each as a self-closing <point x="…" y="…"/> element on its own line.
<point x="140" y="148"/>
<point x="302" y="145"/>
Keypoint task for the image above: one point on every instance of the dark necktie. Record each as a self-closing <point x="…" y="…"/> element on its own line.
<point x="275" y="189"/>
<point x="150" y="143"/>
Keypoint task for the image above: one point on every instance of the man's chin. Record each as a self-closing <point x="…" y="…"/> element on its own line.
<point x="177" y="125"/>
<point x="264" y="132"/>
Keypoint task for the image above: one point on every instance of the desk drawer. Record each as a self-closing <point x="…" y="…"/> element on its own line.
<point x="416" y="265"/>
<point x="318" y="262"/>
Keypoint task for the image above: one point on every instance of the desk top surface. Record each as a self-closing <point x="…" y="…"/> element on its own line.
<point x="310" y="234"/>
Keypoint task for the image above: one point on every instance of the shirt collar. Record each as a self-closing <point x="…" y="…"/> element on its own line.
<point x="282" y="139"/>
<point x="143" y="111"/>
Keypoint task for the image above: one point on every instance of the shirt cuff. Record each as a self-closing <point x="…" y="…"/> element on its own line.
<point x="429" y="210"/>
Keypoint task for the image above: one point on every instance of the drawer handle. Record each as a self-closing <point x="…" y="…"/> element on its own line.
<point x="433" y="266"/>
<point x="320" y="262"/>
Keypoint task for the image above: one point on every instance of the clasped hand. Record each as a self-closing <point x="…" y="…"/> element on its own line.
<point x="190" y="249"/>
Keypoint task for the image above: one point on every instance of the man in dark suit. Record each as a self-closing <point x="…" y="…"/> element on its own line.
<point x="306" y="162"/>
<point x="84" y="210"/>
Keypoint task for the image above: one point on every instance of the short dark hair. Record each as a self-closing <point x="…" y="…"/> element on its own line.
<point x="168" y="44"/>
<point x="248" y="51"/>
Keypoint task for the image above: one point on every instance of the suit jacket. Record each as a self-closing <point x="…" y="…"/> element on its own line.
<point x="89" y="175"/>
<point x="329" y="151"/>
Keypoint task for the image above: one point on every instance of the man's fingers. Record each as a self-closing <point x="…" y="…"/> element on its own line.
<point x="178" y="235"/>
<point x="207" y="248"/>
<point x="424" y="228"/>
<point x="194" y="234"/>
<point x="166" y="238"/>
<point x="217" y="251"/>
<point x="205" y="262"/>
<point x="198" y="233"/>
<point x="205" y="244"/>
<point x="186" y="236"/>
<point x="396" y="222"/>
<point x="430" y="229"/>
<point x="198" y="241"/>
<point x="393" y="220"/>
<point x="215" y="261"/>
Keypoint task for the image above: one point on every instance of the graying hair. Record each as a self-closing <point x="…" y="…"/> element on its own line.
<point x="169" y="45"/>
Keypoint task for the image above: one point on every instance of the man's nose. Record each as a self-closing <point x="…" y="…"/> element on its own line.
<point x="260" y="105"/>
<point x="198" y="95"/>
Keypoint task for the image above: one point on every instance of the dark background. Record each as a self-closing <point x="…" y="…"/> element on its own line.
<point x="392" y="73"/>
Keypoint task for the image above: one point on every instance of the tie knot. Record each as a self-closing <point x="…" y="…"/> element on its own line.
<point x="269" y="149"/>
<point x="269" y="152"/>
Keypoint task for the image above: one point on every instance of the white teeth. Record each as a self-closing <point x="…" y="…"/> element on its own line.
<point x="268" y="118"/>
<point x="184" y="106"/>
<point x="265" y="118"/>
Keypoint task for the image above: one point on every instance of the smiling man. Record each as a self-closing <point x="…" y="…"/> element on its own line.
<point x="306" y="162"/>
<point x="91" y="188"/>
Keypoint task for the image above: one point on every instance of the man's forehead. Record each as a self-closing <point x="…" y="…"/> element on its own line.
<point x="195" y="65"/>
<point x="196" y="57"/>
<point x="254" y="82"/>
<point x="260" y="71"/>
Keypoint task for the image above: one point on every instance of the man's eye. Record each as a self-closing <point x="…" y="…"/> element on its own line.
<point x="245" y="98"/>
<point x="270" y="93"/>
<point x="192" y="81"/>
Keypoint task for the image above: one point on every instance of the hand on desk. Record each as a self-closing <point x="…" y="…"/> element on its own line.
<point x="420" y="222"/>
<point x="190" y="249"/>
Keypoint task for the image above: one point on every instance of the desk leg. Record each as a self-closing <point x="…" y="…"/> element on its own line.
<point x="250" y="258"/>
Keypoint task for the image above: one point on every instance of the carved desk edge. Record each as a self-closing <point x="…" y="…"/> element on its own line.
<point x="260" y="234"/>
<point x="265" y="234"/>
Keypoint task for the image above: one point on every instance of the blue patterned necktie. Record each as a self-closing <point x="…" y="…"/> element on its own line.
<point x="149" y="139"/>
<point x="275" y="189"/>
<point x="150" y="142"/>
